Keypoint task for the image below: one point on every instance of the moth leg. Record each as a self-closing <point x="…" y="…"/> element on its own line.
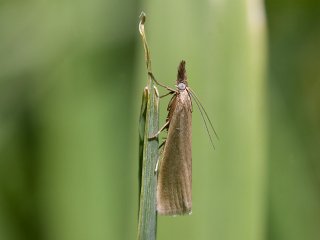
<point x="166" y="94"/>
<point x="161" y="129"/>
<point x="162" y="144"/>
<point x="157" y="164"/>
<point x="160" y="84"/>
<point x="155" y="91"/>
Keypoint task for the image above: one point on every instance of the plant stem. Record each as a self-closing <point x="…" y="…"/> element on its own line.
<point x="149" y="124"/>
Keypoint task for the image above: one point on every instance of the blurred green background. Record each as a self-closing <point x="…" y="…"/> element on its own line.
<point x="71" y="79"/>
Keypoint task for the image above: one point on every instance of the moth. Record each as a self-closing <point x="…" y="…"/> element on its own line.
<point x="174" y="188"/>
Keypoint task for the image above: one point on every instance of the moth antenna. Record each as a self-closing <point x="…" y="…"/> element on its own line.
<point x="204" y="110"/>
<point x="205" y="122"/>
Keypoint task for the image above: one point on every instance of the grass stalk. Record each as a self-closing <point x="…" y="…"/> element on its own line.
<point x="148" y="149"/>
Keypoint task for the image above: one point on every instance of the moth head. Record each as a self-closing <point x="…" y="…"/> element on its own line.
<point x="181" y="86"/>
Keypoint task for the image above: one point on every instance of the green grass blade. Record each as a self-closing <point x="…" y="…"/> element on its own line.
<point x="149" y="153"/>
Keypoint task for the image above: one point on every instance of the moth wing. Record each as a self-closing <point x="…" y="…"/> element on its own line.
<point x="175" y="172"/>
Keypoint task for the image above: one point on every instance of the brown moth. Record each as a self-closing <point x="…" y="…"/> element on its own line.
<point x="175" y="171"/>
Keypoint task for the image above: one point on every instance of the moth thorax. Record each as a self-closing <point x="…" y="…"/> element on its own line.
<point x="181" y="86"/>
